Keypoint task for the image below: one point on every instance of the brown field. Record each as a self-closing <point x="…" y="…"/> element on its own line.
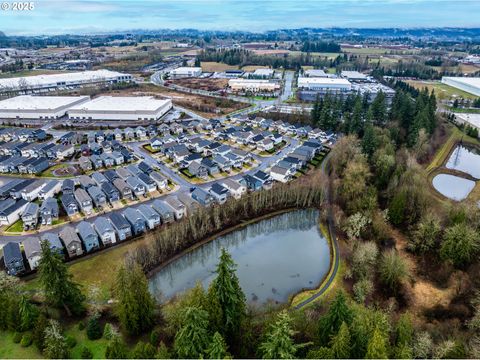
<point x="442" y="91"/>
<point x="253" y="67"/>
<point x="202" y="84"/>
<point x="205" y="106"/>
<point x="210" y="66"/>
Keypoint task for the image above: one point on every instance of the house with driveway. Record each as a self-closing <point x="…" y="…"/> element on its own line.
<point x="151" y="216"/>
<point x="166" y="213"/>
<point x="33" y="251"/>
<point x="136" y="220"/>
<point x="88" y="236"/>
<point x="12" y="258"/>
<point x="121" y="226"/>
<point x="105" y="230"/>
<point x="72" y="242"/>
<point x="84" y="200"/>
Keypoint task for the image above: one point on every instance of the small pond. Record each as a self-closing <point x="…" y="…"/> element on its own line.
<point x="466" y="159"/>
<point x="453" y="187"/>
<point x="275" y="258"/>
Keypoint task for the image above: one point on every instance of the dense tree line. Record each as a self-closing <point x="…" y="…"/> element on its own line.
<point x="320" y="46"/>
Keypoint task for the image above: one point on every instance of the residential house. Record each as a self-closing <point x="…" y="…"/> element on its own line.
<point x="38" y="165"/>
<point x="252" y="183"/>
<point x="98" y="197"/>
<point x="123" y="188"/>
<point x="30" y="216"/>
<point x="72" y="242"/>
<point x="51" y="188"/>
<point x="53" y="242"/>
<point x="202" y="196"/>
<point x="219" y="193"/>
<point x="151" y="216"/>
<point x="121" y="226"/>
<point x="123" y="173"/>
<point x="190" y="204"/>
<point x="30" y="193"/>
<point x="198" y="170"/>
<point x="160" y="180"/>
<point x="136" y="220"/>
<point x="97" y="162"/>
<point x="85" y="163"/>
<point x="105" y="230"/>
<point x="68" y="186"/>
<point x="166" y="213"/>
<point x="84" y="200"/>
<point x="107" y="159"/>
<point x="265" y="145"/>
<point x="143" y="166"/>
<point x="64" y="151"/>
<point x="12" y="258"/>
<point x="112" y="194"/>
<point x="11" y="212"/>
<point x="117" y="157"/>
<point x="280" y="174"/>
<point x="177" y="207"/>
<point x="236" y="189"/>
<point x="88" y="236"/>
<point x="111" y="175"/>
<point x="150" y="185"/>
<point x="16" y="191"/>
<point x="49" y="211"/>
<point x="137" y="187"/>
<point x="133" y="170"/>
<point x="86" y="182"/>
<point x="264" y="178"/>
<point x="69" y="204"/>
<point x="33" y="251"/>
<point x="222" y="162"/>
<point x="212" y="168"/>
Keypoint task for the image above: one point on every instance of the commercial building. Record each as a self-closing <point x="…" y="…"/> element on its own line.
<point x="184" y="72"/>
<point x="263" y="74"/>
<point x="470" y="85"/>
<point x="121" y="108"/>
<point x="354" y="76"/>
<point x="38" y="107"/>
<point x="324" y="85"/>
<point x="254" y="86"/>
<point x="43" y="83"/>
<point x="468" y="119"/>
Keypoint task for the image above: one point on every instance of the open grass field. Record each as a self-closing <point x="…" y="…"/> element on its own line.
<point x="10" y="350"/>
<point x="16" y="227"/>
<point x="253" y="67"/>
<point x="442" y="91"/>
<point x="210" y="66"/>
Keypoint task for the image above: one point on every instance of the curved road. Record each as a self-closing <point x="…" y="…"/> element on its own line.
<point x="336" y="256"/>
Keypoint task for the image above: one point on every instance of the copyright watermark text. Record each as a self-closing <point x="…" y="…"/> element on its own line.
<point x="17" y="6"/>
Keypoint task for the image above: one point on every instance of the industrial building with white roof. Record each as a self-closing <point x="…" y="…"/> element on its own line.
<point x="468" y="84"/>
<point x="38" y="107"/>
<point x="121" y="108"/>
<point x="324" y="84"/>
<point x="42" y="83"/>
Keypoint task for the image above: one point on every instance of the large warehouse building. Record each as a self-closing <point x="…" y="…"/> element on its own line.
<point x="185" y="72"/>
<point x="43" y="83"/>
<point x="470" y="85"/>
<point x="121" y="108"/>
<point x="324" y="85"/>
<point x="255" y="86"/>
<point x="38" y="107"/>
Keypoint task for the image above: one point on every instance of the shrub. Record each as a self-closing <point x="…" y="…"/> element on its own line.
<point x="94" y="332"/>
<point x="154" y="337"/>
<point x="17" y="337"/>
<point x="81" y="325"/>
<point x="86" y="353"/>
<point x="27" y="340"/>
<point x="108" y="331"/>
<point x="71" y="341"/>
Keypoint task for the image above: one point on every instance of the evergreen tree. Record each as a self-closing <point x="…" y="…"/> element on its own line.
<point x="226" y="298"/>
<point x="339" y="312"/>
<point x="461" y="244"/>
<point x="116" y="349"/>
<point x="340" y="343"/>
<point x="369" y="141"/>
<point x="191" y="341"/>
<point x="94" y="332"/>
<point x="60" y="290"/>
<point x="357" y="117"/>
<point x="136" y="306"/>
<point x="143" y="351"/>
<point x="56" y="346"/>
<point x="377" y="346"/>
<point x="217" y="348"/>
<point x="393" y="269"/>
<point x="38" y="333"/>
<point x="278" y="342"/>
<point x="28" y="313"/>
<point x="379" y="109"/>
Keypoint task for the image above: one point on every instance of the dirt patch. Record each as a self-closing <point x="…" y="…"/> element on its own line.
<point x="203" y="105"/>
<point x="211" y="66"/>
<point x="207" y="84"/>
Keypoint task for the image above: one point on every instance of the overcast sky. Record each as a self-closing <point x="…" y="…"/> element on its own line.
<point x="90" y="16"/>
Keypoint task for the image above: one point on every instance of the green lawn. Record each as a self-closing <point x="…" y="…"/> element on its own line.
<point x="463" y="110"/>
<point x="16" y="227"/>
<point x="97" y="347"/>
<point x="442" y="91"/>
<point x="49" y="171"/>
<point x="10" y="350"/>
<point x="149" y="148"/>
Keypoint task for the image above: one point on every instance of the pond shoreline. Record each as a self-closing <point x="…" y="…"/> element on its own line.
<point x="287" y="301"/>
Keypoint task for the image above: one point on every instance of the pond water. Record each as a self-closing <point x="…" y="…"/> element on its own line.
<point x="453" y="187"/>
<point x="466" y="159"/>
<point x="275" y="258"/>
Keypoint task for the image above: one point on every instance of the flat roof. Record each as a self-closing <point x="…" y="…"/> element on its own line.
<point x="122" y="103"/>
<point x="471" y="81"/>
<point x="353" y="74"/>
<point x="186" y="69"/>
<point x="323" y="81"/>
<point x="315" y="73"/>
<point x="29" y="102"/>
<point x="43" y="80"/>
<point x="263" y="71"/>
